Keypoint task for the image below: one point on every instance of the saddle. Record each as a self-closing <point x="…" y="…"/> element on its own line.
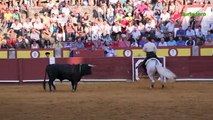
<point x="158" y="62"/>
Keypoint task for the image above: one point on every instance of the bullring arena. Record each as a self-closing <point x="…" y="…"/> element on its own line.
<point x="108" y="101"/>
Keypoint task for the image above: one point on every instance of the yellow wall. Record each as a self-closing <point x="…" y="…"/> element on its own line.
<point x="160" y="52"/>
<point x="4" y="54"/>
<point x="206" y="51"/>
<point x="23" y="54"/>
<point x="66" y="53"/>
<point x="27" y="53"/>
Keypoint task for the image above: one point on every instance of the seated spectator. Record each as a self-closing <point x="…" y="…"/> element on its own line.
<point x="190" y="32"/>
<point x="135" y="44"/>
<point x="159" y="34"/>
<point x="171" y="7"/>
<point x="170" y="26"/>
<point x="66" y="10"/>
<point x="53" y="18"/>
<point x="38" y="26"/>
<point x="171" y="42"/>
<point x="181" y="41"/>
<point x="47" y="35"/>
<point x="209" y="35"/>
<point x="199" y="32"/>
<point x="60" y="33"/>
<point x="17" y="26"/>
<point x="79" y="43"/>
<point x="141" y="28"/>
<point x="27" y="26"/>
<point x="141" y="8"/>
<point x="149" y="13"/>
<point x="142" y="41"/>
<point x="154" y="41"/>
<point x="16" y="15"/>
<point x="62" y="19"/>
<point x="12" y="38"/>
<point x="36" y="18"/>
<point x="23" y="43"/>
<point x="48" y="44"/>
<point x="99" y="43"/>
<point x="190" y="42"/>
<point x="164" y="16"/>
<point x="150" y="25"/>
<point x="158" y="8"/>
<point x="46" y="19"/>
<point x="34" y="45"/>
<point x="200" y="41"/>
<point x="123" y="42"/>
<point x="209" y="42"/>
<point x="116" y="29"/>
<point x="136" y="33"/>
<point x="24" y="9"/>
<point x="8" y="16"/>
<point x="107" y="38"/>
<point x="89" y="44"/>
<point x="35" y="35"/>
<point x="55" y="10"/>
<point x="180" y="32"/>
<point x="162" y="42"/>
<point x="163" y="28"/>
<point x="3" y="44"/>
<point x="70" y="33"/>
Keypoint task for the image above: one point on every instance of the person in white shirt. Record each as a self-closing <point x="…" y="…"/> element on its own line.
<point x="38" y="25"/>
<point x="136" y="34"/>
<point x="162" y="42"/>
<point x="165" y="16"/>
<point x="35" y="35"/>
<point x="170" y="26"/>
<point x="27" y="26"/>
<point x="150" y="48"/>
<point x="17" y="26"/>
<point x="66" y="10"/>
<point x="190" y="32"/>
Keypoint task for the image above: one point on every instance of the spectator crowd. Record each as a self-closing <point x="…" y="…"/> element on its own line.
<point x="110" y="23"/>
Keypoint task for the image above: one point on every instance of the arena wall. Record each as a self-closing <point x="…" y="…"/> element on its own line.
<point x="22" y="70"/>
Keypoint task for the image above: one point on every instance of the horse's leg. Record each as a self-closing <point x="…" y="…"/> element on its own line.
<point x="151" y="77"/>
<point x="163" y="81"/>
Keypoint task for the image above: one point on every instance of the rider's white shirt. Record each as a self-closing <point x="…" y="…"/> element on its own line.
<point x="149" y="47"/>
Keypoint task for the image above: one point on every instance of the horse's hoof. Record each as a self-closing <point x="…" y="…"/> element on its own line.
<point x="163" y="86"/>
<point x="152" y="86"/>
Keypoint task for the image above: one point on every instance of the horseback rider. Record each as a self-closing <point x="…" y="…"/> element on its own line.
<point x="150" y="49"/>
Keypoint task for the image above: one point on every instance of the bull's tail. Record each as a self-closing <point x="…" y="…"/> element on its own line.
<point x="44" y="83"/>
<point x="166" y="73"/>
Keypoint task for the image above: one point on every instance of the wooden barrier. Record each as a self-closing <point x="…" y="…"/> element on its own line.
<point x="22" y="70"/>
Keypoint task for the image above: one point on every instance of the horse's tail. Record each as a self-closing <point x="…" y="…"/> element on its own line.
<point x="166" y="72"/>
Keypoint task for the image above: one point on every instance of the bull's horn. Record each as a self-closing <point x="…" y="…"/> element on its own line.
<point x="91" y="65"/>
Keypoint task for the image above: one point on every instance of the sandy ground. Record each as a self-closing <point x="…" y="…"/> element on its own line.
<point x="108" y="101"/>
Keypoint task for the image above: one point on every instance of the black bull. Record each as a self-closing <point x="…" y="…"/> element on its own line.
<point x="73" y="73"/>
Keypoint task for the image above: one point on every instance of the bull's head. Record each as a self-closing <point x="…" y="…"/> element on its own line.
<point x="86" y="69"/>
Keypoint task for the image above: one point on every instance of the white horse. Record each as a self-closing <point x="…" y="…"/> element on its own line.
<point x="153" y="65"/>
